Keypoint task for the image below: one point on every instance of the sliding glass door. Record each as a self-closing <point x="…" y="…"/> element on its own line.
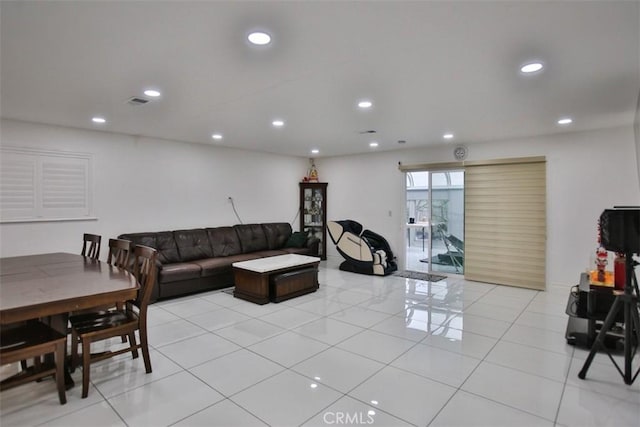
<point x="435" y="221"/>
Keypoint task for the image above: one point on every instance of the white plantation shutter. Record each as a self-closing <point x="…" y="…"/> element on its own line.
<point x="18" y="186"/>
<point x="39" y="185"/>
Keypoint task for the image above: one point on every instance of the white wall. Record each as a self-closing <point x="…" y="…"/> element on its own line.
<point x="586" y="173"/>
<point x="636" y="128"/>
<point x="149" y="185"/>
<point x="143" y="184"/>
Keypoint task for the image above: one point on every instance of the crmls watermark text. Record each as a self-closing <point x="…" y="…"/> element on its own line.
<point x="346" y="418"/>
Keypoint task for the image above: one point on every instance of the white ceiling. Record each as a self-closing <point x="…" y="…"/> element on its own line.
<point x="429" y="67"/>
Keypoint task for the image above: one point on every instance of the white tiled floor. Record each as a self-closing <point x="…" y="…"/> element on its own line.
<point x="361" y="350"/>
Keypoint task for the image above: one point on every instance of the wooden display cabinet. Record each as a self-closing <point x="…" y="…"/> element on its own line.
<point x="313" y="212"/>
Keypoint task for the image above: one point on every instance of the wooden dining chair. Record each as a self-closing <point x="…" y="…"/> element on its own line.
<point x="118" y="256"/>
<point x="91" y="249"/>
<point x="91" y="246"/>
<point x="33" y="339"/>
<point x="133" y="317"/>
<point x="119" y="253"/>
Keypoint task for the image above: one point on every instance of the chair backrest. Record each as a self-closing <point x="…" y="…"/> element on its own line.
<point x="348" y="244"/>
<point x="91" y="246"/>
<point x="119" y="253"/>
<point x="144" y="269"/>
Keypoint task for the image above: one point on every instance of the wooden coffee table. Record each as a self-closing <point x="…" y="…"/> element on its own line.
<point x="276" y="278"/>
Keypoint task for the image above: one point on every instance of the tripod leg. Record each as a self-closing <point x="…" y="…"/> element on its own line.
<point x="634" y="329"/>
<point x="629" y="326"/>
<point x="608" y="323"/>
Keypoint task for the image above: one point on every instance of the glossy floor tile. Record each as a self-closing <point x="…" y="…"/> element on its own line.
<point x="101" y="414"/>
<point x="410" y="397"/>
<point x="530" y="393"/>
<point x="362" y="350"/>
<point x="339" y="369"/>
<point x="349" y="411"/>
<point x="286" y="399"/>
<point x="165" y="401"/>
<point x="466" y="409"/>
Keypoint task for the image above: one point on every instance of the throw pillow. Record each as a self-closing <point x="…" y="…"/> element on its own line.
<point x="297" y="239"/>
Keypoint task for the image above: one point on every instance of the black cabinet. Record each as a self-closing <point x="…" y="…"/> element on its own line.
<point x="313" y="212"/>
<point x="587" y="308"/>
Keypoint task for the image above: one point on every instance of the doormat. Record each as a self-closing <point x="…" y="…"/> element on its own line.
<point x="417" y="275"/>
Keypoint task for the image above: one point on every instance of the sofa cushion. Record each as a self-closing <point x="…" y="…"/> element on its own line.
<point x="244" y="257"/>
<point x="193" y="244"/>
<point x="252" y="237"/>
<point x="297" y="240"/>
<point x="268" y="253"/>
<point x="144" y="239"/>
<point x="224" y="241"/>
<point x="221" y="265"/>
<point x="178" y="271"/>
<point x="213" y="266"/>
<point x="167" y="248"/>
<point x="300" y="251"/>
<point x="162" y="241"/>
<point x="277" y="234"/>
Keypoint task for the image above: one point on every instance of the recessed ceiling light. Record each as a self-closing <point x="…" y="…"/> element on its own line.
<point x="315" y="151"/>
<point x="259" y="38"/>
<point x="448" y="136"/>
<point x="565" y="121"/>
<point x="365" y="104"/>
<point x="216" y="136"/>
<point x="531" y="67"/>
<point x="373" y="144"/>
<point x="278" y="123"/>
<point x="152" y="93"/>
<point x="99" y="120"/>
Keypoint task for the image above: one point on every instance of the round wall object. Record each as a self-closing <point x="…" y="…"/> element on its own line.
<point x="460" y="152"/>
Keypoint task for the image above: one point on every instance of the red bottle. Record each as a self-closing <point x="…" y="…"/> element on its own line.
<point x="619" y="273"/>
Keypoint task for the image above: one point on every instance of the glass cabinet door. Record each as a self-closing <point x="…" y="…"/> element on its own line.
<point x="313" y="214"/>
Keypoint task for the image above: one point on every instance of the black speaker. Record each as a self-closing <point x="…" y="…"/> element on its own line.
<point x="620" y="230"/>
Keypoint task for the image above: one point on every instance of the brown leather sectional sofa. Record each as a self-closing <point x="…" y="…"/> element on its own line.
<point x="200" y="259"/>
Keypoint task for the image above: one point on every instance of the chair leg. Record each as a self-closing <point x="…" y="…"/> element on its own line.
<point x="75" y="360"/>
<point x="145" y="349"/>
<point x="120" y="307"/>
<point x="86" y="369"/>
<point x="59" y="357"/>
<point x="132" y="343"/>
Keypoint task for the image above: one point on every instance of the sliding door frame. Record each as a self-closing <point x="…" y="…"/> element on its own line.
<point x="466" y="165"/>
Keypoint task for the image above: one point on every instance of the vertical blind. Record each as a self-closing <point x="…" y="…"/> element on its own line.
<point x="505" y="223"/>
<point x="37" y="185"/>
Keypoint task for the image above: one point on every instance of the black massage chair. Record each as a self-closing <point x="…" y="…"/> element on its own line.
<point x="364" y="251"/>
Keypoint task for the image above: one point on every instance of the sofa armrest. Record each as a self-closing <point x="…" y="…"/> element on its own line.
<point x="313" y="244"/>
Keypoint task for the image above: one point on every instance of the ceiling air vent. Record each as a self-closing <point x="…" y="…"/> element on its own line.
<point x="137" y="101"/>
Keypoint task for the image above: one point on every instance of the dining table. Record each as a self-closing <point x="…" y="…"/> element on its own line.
<point x="50" y="286"/>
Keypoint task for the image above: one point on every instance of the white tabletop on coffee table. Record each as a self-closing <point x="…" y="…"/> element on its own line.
<point x="273" y="263"/>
